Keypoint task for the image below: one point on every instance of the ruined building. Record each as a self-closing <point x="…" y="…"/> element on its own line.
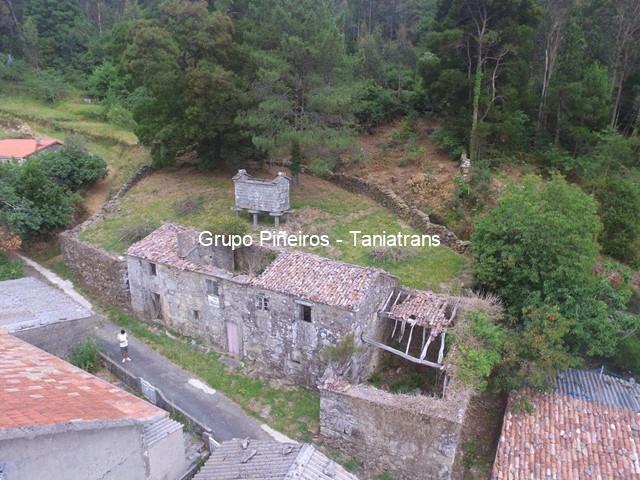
<point x="289" y="313"/>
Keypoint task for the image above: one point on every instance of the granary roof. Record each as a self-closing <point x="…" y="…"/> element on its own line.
<point x="38" y="389"/>
<point x="24" y="147"/>
<point x="588" y="427"/>
<point x="161" y="246"/>
<point x="270" y="460"/>
<point x="426" y="309"/>
<point x="243" y="176"/>
<point x="318" y="279"/>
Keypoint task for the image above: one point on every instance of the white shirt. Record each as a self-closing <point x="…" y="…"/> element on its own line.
<point x="122" y="338"/>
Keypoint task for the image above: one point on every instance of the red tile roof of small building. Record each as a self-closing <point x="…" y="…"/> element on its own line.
<point x="24" y="147"/>
<point x="572" y="435"/>
<point x="39" y="389"/>
<point x="318" y="279"/>
<point x="161" y="246"/>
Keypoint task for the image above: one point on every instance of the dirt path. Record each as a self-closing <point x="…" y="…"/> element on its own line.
<point x="97" y="195"/>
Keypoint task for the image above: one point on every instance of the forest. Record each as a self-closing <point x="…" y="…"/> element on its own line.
<point x="551" y="86"/>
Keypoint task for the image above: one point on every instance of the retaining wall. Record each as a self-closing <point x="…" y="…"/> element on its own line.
<point x="411" y="437"/>
<point x="103" y="273"/>
<point x="391" y="200"/>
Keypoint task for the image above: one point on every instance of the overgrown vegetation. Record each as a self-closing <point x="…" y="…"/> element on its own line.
<point x="40" y="195"/>
<point x="85" y="355"/>
<point x="10" y="269"/>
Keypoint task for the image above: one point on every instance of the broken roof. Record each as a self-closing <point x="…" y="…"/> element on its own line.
<point x="28" y="302"/>
<point x="38" y="389"/>
<point x="425" y="309"/>
<point x="588" y="427"/>
<point x="24" y="147"/>
<point x="318" y="279"/>
<point x="270" y="460"/>
<point x="161" y="246"/>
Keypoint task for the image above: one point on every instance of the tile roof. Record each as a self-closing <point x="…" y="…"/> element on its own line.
<point x="38" y="389"/>
<point x="426" y="309"/>
<point x="270" y="460"/>
<point x="24" y="147"/>
<point x="318" y="279"/>
<point x="28" y="302"/>
<point x="161" y="246"/>
<point x="583" y="429"/>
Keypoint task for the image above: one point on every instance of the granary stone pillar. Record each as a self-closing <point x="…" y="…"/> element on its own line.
<point x="254" y="214"/>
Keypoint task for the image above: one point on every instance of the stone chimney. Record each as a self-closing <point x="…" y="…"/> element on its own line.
<point x="185" y="243"/>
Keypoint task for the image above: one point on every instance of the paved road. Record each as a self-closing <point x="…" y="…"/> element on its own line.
<point x="224" y="418"/>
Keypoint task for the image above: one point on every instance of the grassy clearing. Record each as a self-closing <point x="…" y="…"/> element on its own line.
<point x="69" y="114"/>
<point x="320" y="207"/>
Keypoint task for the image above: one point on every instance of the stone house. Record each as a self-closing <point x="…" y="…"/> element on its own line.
<point x="281" y="311"/>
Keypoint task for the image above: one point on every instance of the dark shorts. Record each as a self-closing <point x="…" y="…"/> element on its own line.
<point x="124" y="349"/>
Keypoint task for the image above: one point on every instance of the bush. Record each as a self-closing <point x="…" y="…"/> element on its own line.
<point x="619" y="200"/>
<point x="627" y="356"/>
<point x="392" y="254"/>
<point x="85" y="355"/>
<point x="47" y="85"/>
<point x="229" y="225"/>
<point x="10" y="269"/>
<point x="539" y="244"/>
<point x="120" y="116"/>
<point x="72" y="167"/>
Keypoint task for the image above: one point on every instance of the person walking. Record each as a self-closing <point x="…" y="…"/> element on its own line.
<point x="123" y="340"/>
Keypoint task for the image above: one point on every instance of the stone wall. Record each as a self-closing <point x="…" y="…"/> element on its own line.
<point x="103" y="273"/>
<point x="412" y="215"/>
<point x="412" y="437"/>
<point x="59" y="338"/>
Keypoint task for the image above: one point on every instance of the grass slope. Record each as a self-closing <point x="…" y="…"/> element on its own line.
<point x="319" y="207"/>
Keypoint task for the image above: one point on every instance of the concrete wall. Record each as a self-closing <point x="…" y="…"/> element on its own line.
<point x="100" y="453"/>
<point x="166" y="458"/>
<point x="59" y="338"/>
<point x="411" y="437"/>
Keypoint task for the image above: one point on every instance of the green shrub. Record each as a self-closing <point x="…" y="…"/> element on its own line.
<point x="627" y="356"/>
<point x="47" y="85"/>
<point x="85" y="355"/>
<point x="229" y="225"/>
<point x="619" y="200"/>
<point x="73" y="167"/>
<point x="342" y="351"/>
<point x="10" y="269"/>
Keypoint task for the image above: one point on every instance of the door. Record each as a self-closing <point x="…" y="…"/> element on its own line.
<point x="233" y="338"/>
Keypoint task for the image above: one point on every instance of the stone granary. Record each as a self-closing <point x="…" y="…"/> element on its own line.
<point x="260" y="460"/>
<point x="281" y="309"/>
<point x="256" y="195"/>
<point x="588" y="426"/>
<point x="61" y="422"/>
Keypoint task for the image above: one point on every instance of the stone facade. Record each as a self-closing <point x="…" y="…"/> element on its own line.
<point x="412" y="437"/>
<point x="258" y="195"/>
<point x="102" y="272"/>
<point x="231" y="320"/>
